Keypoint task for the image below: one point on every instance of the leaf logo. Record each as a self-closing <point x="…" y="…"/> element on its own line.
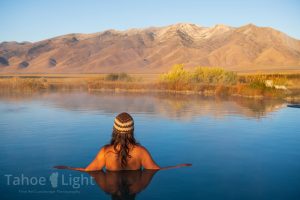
<point x="53" y="179"/>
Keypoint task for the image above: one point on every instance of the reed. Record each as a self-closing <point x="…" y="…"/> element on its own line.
<point x="201" y="80"/>
<point x="205" y="75"/>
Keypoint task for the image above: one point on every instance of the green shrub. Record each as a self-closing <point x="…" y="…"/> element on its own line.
<point x="280" y="80"/>
<point x="118" y="77"/>
<point x="214" y="75"/>
<point x="112" y="77"/>
<point x="207" y="75"/>
<point x="177" y="74"/>
<point x="230" y="77"/>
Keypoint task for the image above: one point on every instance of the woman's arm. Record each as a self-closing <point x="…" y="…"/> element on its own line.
<point x="97" y="164"/>
<point x="176" y="166"/>
<point x="146" y="160"/>
<point x="68" y="167"/>
<point x="149" y="163"/>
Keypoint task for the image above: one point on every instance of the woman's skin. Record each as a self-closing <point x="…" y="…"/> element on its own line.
<point x="107" y="158"/>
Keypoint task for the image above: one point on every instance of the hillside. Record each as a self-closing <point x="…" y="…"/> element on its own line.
<point x="155" y="50"/>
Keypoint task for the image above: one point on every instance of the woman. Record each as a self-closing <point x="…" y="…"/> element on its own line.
<point x="123" y="152"/>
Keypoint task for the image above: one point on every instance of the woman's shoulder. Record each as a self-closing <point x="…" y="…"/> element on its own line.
<point x="107" y="148"/>
<point x="140" y="148"/>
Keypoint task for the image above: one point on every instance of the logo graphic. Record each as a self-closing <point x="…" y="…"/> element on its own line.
<point x="53" y="179"/>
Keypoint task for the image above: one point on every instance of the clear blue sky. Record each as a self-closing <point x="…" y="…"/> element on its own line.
<point x="34" y="20"/>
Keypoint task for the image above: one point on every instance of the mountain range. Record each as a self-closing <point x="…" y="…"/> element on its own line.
<point x="247" y="48"/>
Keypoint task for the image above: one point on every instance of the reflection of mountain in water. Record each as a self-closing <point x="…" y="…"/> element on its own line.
<point x="123" y="184"/>
<point x="183" y="107"/>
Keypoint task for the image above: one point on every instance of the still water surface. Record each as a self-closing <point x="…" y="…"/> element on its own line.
<point x="239" y="148"/>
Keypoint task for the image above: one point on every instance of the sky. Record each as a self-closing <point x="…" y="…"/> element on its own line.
<point x="35" y="20"/>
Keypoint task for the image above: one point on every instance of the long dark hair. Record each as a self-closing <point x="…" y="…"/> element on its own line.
<point x="123" y="142"/>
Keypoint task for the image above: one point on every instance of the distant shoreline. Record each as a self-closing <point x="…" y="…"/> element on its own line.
<point x="148" y="83"/>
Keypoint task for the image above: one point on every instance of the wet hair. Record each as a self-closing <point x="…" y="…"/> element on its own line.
<point x="122" y="141"/>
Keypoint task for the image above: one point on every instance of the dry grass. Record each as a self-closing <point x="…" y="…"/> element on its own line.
<point x="206" y="82"/>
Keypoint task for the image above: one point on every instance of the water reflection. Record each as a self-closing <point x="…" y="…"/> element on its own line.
<point x="182" y="107"/>
<point x="123" y="184"/>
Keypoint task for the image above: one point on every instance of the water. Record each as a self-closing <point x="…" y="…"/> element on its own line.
<point x="239" y="148"/>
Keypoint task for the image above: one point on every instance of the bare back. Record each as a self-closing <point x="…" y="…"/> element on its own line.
<point x="107" y="158"/>
<point x="139" y="157"/>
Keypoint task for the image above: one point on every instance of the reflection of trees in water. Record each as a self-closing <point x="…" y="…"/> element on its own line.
<point x="260" y="107"/>
<point x="176" y="106"/>
<point x="123" y="184"/>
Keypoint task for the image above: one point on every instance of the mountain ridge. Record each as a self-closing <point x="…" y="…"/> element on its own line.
<point x="155" y="50"/>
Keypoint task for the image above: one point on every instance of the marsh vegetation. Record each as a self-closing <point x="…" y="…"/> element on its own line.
<point x="206" y="81"/>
